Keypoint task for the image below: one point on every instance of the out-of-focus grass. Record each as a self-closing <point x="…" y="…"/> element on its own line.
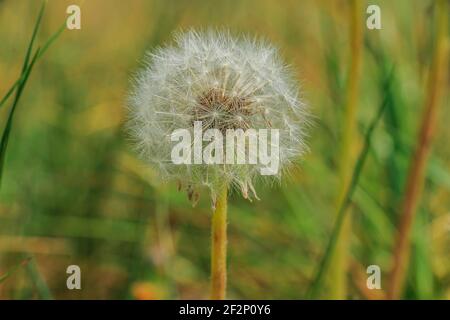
<point x="73" y="192"/>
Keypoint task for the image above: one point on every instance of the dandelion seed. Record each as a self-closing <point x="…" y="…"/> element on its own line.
<point x="226" y="82"/>
<point x="213" y="81"/>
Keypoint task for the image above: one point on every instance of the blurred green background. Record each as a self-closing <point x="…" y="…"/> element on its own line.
<point x="73" y="192"/>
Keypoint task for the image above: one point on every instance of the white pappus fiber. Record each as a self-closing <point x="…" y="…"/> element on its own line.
<point x="227" y="83"/>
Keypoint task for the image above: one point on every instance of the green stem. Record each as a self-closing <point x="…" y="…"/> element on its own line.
<point x="342" y="212"/>
<point x="416" y="175"/>
<point x="337" y="281"/>
<point x="219" y="247"/>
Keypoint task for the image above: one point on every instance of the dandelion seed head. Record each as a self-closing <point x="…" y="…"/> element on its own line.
<point x="227" y="83"/>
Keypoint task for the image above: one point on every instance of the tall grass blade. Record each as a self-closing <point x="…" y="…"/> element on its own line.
<point x="323" y="267"/>
<point x="7" y="130"/>
<point x="33" y="37"/>
<point x="41" y="52"/>
<point x="20" y="83"/>
<point x="13" y="270"/>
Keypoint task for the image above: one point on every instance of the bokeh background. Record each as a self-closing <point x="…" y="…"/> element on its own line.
<point x="73" y="192"/>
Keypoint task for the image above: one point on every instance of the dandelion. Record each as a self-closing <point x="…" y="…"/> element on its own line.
<point x="225" y="83"/>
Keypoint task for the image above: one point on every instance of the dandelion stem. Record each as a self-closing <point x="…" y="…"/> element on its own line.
<point x="219" y="247"/>
<point x="417" y="169"/>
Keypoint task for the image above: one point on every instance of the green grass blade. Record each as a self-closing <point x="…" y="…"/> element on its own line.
<point x="27" y="55"/>
<point x="33" y="37"/>
<point x="41" y="52"/>
<point x="6" y="131"/>
<point x="51" y="39"/>
<point x="20" y="84"/>
<point x="312" y="291"/>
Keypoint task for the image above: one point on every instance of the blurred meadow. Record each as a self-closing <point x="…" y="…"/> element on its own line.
<point x="73" y="191"/>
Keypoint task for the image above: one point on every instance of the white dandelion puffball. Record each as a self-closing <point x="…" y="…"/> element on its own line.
<point x="224" y="83"/>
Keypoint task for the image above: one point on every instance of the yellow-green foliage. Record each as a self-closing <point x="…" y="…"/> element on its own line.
<point x="73" y="193"/>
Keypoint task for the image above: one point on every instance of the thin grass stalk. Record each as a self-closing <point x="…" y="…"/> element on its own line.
<point x="337" y="280"/>
<point x="44" y="48"/>
<point x="6" y="132"/>
<point x="219" y="247"/>
<point x="20" y="83"/>
<point x="416" y="175"/>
